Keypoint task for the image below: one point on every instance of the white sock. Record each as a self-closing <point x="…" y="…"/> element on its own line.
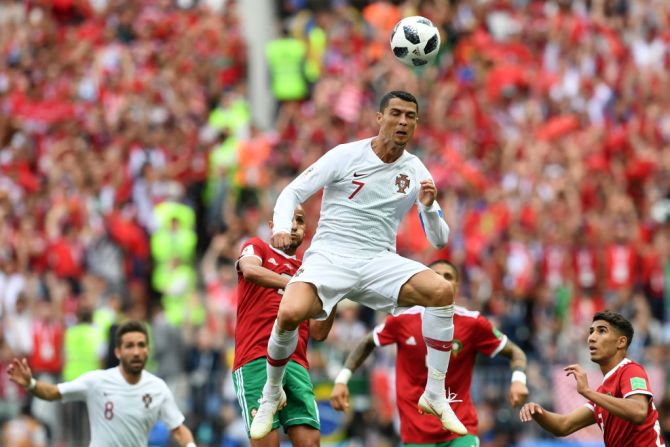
<point x="437" y="326"/>
<point x="281" y="346"/>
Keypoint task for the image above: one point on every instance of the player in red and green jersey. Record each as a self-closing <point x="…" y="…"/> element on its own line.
<point x="263" y="272"/>
<point x="473" y="334"/>
<point x="622" y="405"/>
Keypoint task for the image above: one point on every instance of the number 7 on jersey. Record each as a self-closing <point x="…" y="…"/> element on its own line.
<point x="358" y="188"/>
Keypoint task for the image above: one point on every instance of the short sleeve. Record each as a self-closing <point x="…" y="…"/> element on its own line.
<point x="253" y="247"/>
<point x="387" y="332"/>
<point x="77" y="389"/>
<point x="169" y="412"/>
<point x="634" y="380"/>
<point x="490" y="341"/>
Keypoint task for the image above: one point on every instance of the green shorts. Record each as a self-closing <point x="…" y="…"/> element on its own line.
<point x="300" y="408"/>
<point x="463" y="441"/>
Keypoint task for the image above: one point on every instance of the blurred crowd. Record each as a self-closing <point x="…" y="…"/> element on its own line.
<point x="131" y="171"/>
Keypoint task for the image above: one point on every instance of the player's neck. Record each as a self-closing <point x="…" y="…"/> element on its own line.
<point x="387" y="151"/>
<point x="290" y="251"/>
<point x="612" y="362"/>
<point x="132" y="379"/>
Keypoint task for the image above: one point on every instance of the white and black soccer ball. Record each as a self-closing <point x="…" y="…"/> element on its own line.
<point x="415" y="41"/>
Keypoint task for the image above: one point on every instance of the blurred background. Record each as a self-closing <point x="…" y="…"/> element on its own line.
<point x="141" y="142"/>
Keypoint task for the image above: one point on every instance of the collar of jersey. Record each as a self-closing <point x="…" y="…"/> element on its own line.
<point x="623" y="362"/>
<point x="282" y="253"/>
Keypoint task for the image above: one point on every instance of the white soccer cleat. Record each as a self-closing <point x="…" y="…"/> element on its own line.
<point x="262" y="423"/>
<point x="443" y="411"/>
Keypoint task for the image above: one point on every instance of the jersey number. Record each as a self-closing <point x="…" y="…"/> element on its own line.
<point x="359" y="185"/>
<point x="109" y="410"/>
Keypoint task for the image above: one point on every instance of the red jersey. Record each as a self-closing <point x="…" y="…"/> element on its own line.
<point x="47" y="355"/>
<point x="257" y="306"/>
<point x="620" y="265"/>
<point x="626" y="379"/>
<point x="472" y="333"/>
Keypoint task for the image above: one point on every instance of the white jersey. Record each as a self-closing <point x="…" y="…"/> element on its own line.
<point x="364" y="200"/>
<point x="122" y="414"/>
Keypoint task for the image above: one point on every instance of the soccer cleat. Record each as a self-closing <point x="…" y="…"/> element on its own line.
<point x="262" y="423"/>
<point x="443" y="411"/>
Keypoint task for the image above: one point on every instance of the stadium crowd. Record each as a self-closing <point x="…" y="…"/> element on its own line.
<point x="131" y="172"/>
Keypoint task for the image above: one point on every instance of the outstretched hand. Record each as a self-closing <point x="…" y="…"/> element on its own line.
<point x="527" y="411"/>
<point x="281" y="240"/>
<point x="427" y="193"/>
<point x="19" y="372"/>
<point x="580" y="377"/>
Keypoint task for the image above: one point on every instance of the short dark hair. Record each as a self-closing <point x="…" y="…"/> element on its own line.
<point x="617" y="321"/>
<point x="400" y="94"/>
<point x="130" y="326"/>
<point x="450" y="264"/>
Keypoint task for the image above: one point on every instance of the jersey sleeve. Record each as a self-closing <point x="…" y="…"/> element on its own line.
<point x="634" y="380"/>
<point x="432" y="218"/>
<point x="169" y="412"/>
<point x="490" y="341"/>
<point x="325" y="170"/>
<point x="77" y="389"/>
<point x="253" y="247"/>
<point x="386" y="333"/>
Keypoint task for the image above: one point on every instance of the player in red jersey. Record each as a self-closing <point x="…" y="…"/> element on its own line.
<point x="263" y="272"/>
<point x="622" y="405"/>
<point x="473" y="334"/>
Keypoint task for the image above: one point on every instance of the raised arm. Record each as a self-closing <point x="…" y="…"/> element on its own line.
<point x="518" y="391"/>
<point x="633" y="408"/>
<point x="557" y="424"/>
<point x="339" y="398"/>
<point x="430" y="213"/>
<point x="253" y="271"/>
<point x="322" y="172"/>
<point x="19" y="373"/>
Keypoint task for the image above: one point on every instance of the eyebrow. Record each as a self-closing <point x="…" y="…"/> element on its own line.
<point x="395" y="109"/>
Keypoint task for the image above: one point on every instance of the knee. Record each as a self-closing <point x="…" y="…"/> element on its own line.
<point x="289" y="317"/>
<point x="308" y="439"/>
<point x="443" y="295"/>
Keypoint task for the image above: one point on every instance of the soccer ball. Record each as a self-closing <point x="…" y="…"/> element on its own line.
<point x="415" y="41"/>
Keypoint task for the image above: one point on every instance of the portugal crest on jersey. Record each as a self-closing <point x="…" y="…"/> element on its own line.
<point x="147" y="400"/>
<point x="402" y="182"/>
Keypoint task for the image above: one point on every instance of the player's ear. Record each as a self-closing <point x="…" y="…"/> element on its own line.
<point x="270" y="224"/>
<point x="622" y="343"/>
<point x="117" y="353"/>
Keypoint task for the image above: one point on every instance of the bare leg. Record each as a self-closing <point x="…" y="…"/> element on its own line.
<point x="300" y="303"/>
<point x="271" y="440"/>
<point x="304" y="436"/>
<point x="436" y="294"/>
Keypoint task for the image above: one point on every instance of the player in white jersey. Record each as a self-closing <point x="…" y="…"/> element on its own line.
<point x="123" y="402"/>
<point x="368" y="187"/>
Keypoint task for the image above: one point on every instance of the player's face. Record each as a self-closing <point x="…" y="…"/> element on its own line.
<point x="447" y="272"/>
<point x="604" y="341"/>
<point x="133" y="352"/>
<point x="298" y="227"/>
<point x="398" y="121"/>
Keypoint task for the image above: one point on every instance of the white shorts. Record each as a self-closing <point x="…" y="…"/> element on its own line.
<point x="374" y="282"/>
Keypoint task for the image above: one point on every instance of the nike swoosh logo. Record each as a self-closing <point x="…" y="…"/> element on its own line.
<point x="358" y="174"/>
